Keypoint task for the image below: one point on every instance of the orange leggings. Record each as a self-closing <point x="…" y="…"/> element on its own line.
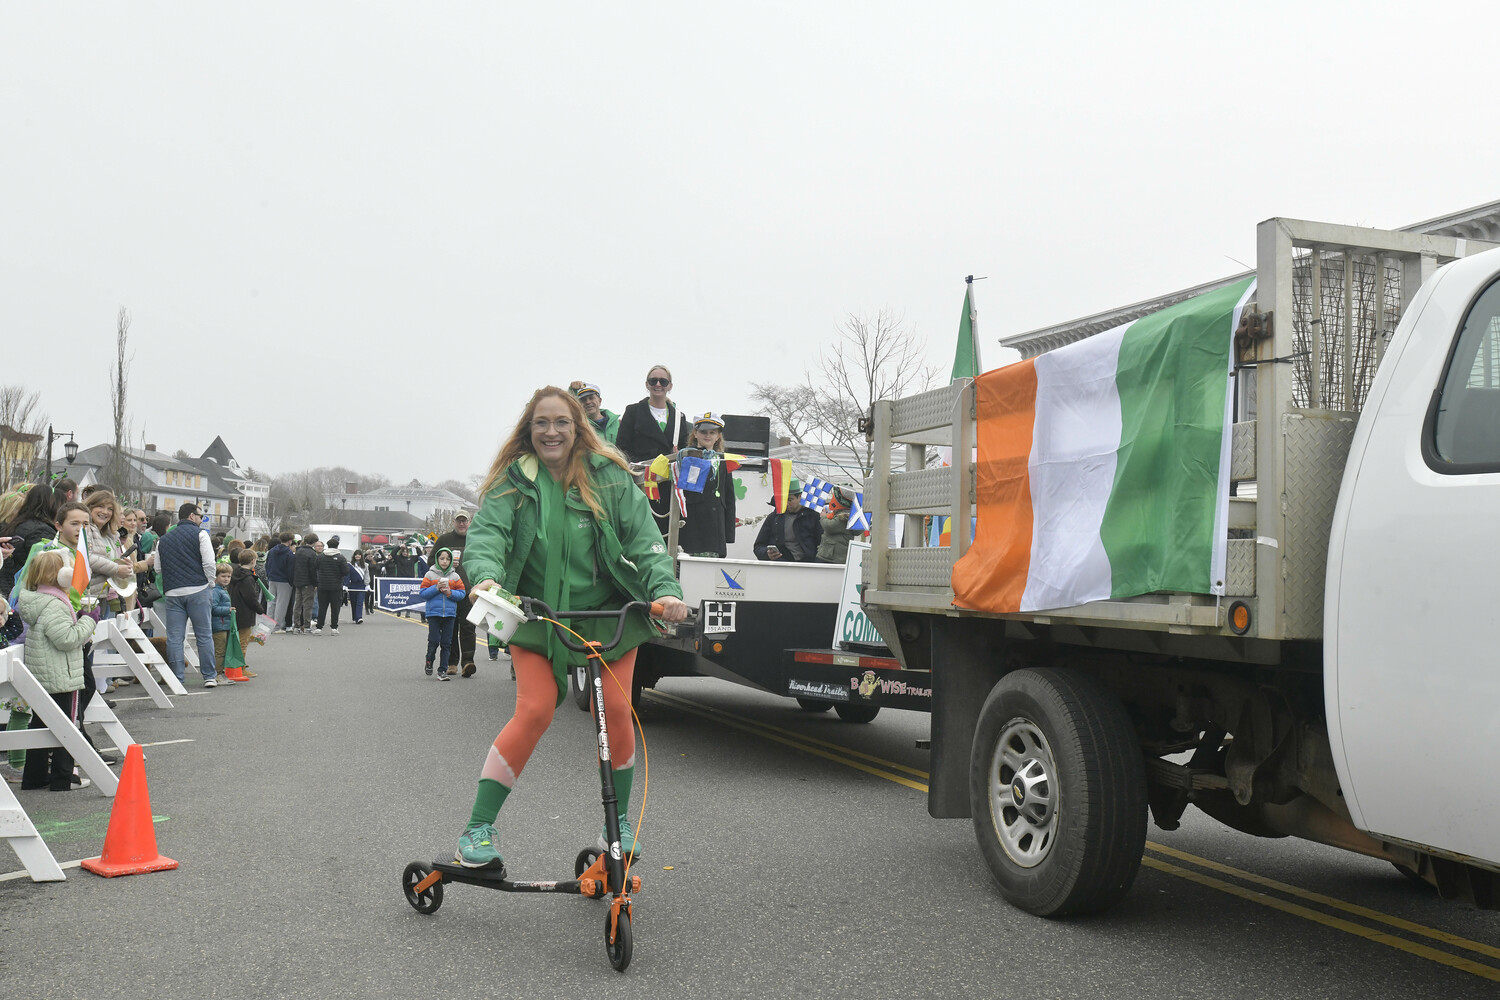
<point x="536" y="700"/>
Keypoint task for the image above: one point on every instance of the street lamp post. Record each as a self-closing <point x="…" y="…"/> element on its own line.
<point x="70" y="449"/>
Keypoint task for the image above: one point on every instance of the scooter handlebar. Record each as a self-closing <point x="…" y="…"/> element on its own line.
<point x="535" y="609"/>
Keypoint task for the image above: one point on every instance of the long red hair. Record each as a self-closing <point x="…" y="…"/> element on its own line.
<point x="586" y="444"/>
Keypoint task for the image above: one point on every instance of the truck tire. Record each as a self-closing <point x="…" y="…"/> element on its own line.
<point x="812" y="705"/>
<point x="1058" y="792"/>
<point x="856" y="713"/>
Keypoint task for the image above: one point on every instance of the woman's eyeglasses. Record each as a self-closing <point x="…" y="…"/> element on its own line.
<point x="659" y="382"/>
<point x="563" y="425"/>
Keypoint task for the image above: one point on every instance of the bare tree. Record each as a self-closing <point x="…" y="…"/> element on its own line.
<point x="872" y="358"/>
<point x="118" y="474"/>
<point x="20" y="413"/>
<point x="793" y="409"/>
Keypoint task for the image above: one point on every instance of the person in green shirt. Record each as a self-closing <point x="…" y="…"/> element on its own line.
<point x="606" y="423"/>
<point x="561" y="519"/>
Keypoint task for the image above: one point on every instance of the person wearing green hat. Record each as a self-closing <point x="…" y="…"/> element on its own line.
<point x="792" y="536"/>
<point x="561" y="519"/>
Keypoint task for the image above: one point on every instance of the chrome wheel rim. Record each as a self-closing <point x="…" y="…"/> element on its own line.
<point x="1024" y="793"/>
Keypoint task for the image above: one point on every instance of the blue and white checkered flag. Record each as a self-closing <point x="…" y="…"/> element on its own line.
<point x="859" y="518"/>
<point x="815" y="494"/>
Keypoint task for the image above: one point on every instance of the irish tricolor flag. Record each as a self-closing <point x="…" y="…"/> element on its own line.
<point x="1104" y="465"/>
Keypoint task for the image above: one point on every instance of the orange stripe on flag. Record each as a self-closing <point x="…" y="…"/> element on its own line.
<point x="992" y="574"/>
<point x="81" y="574"/>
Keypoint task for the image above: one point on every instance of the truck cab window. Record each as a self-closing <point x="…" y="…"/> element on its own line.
<point x="1467" y="430"/>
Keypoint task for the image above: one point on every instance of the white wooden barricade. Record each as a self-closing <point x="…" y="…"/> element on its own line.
<point x="15" y="826"/>
<point x="15" y="679"/>
<point x="121" y="648"/>
<point x="189" y="642"/>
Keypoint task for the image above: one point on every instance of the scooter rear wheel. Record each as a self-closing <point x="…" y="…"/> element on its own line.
<point x="430" y="898"/>
<point x="581" y="863"/>
<point x="620" y="949"/>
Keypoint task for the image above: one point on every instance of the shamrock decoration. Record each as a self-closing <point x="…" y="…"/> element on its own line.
<point x="739" y="489"/>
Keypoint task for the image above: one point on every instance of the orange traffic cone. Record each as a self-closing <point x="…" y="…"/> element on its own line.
<point x="236" y="674"/>
<point x="130" y="842"/>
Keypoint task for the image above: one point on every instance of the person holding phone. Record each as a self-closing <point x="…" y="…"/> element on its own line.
<point x="561" y="519"/>
<point x="792" y="536"/>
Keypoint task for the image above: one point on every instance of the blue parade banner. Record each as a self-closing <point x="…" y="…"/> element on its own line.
<point x="398" y="593"/>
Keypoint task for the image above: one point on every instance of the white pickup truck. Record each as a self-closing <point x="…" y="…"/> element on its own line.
<point x="1335" y="681"/>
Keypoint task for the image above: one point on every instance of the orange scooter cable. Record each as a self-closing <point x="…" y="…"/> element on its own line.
<point x="640" y="820"/>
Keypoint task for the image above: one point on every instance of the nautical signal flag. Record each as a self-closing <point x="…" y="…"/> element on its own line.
<point x="859" y="518"/>
<point x="815" y="493"/>
<point x="781" y="481"/>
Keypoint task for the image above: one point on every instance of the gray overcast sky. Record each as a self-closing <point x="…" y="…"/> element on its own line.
<point x="363" y="233"/>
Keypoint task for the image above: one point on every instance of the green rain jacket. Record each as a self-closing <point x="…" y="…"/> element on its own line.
<point x="626" y="545"/>
<point x="611" y="429"/>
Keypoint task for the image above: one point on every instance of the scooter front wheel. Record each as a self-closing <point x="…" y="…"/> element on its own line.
<point x="427" y="900"/>
<point x="620" y="949"/>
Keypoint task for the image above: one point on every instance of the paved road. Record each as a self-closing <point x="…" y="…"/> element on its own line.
<point x="797" y="866"/>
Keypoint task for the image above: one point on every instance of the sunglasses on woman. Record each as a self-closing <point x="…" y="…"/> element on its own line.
<point x="659" y="382"/>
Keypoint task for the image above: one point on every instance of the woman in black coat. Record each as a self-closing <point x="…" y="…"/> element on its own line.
<point x="34" y="523"/>
<point x="653" y="427"/>
<point x="709" y="525"/>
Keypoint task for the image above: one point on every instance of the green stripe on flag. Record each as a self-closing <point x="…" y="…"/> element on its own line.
<point x="966" y="358"/>
<point x="1172" y="377"/>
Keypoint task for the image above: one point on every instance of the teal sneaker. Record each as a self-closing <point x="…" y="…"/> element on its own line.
<point x="628" y="843"/>
<point x="478" y="848"/>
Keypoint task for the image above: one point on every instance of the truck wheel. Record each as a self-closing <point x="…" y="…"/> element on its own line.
<point x="1058" y="791"/>
<point x="856" y="713"/>
<point x="812" y="705"/>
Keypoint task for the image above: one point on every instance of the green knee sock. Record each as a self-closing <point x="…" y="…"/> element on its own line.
<point x="19" y="719"/>
<point x="624" y="781"/>
<point x="487" y="802"/>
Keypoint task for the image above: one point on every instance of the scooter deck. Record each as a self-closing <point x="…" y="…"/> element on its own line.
<point x="496" y="878"/>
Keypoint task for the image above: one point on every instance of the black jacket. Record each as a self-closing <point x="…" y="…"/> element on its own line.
<point x="454" y="542"/>
<point x="807" y="528"/>
<point x="30" y="532"/>
<point x="304" y="566"/>
<point x="709" y="518"/>
<point x="641" y="439"/>
<point x="245" y="595"/>
<point x="332" y="566"/>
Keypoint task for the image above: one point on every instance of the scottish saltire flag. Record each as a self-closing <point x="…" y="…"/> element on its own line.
<point x="815" y="494"/>
<point x="1103" y="465"/>
<point x="859" y="518"/>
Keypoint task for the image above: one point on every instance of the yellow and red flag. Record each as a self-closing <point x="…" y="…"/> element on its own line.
<point x="781" y="480"/>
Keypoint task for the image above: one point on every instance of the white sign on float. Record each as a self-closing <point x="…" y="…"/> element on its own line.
<point x="852" y="626"/>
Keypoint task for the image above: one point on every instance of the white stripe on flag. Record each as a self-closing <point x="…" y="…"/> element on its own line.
<point x="1074" y="451"/>
<point x="1220" y="563"/>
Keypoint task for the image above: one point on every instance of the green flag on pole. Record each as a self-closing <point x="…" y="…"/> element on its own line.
<point x="966" y="362"/>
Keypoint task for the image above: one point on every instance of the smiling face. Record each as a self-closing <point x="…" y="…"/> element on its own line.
<point x="658" y="381"/>
<point x="708" y="436"/>
<point x="592" y="404"/>
<point x="102" y="515"/>
<point x="552" y="432"/>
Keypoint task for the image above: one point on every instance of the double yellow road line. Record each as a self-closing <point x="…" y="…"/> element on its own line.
<point x="1370" y="924"/>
